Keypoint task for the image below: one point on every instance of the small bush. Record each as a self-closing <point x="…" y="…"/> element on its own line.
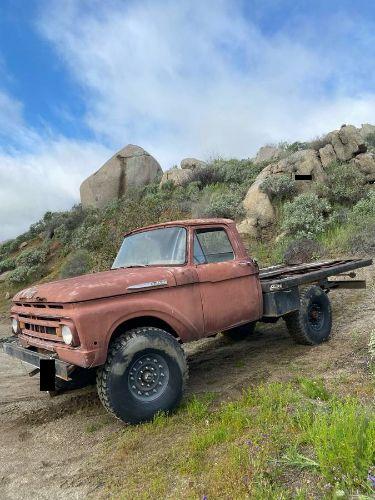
<point x="306" y="216"/>
<point x="7" y="265"/>
<point x="345" y="184"/>
<point x="278" y="188"/>
<point x="227" y="206"/>
<point x="364" y="211"/>
<point x="302" y="250"/>
<point x="205" y="176"/>
<point x="23" y="274"/>
<point x="361" y="239"/>
<point x="76" y="264"/>
<point x="32" y="257"/>
<point x="370" y="140"/>
<point x="319" y="142"/>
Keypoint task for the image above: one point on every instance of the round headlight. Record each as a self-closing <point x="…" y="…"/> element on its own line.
<point x="14" y="325"/>
<point x="67" y="335"/>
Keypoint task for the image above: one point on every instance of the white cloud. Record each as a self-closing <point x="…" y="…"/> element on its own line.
<point x="47" y="178"/>
<point x="180" y="78"/>
<point x="196" y="78"/>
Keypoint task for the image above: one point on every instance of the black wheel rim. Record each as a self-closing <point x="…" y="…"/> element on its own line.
<point x="148" y="377"/>
<point x="316" y="317"/>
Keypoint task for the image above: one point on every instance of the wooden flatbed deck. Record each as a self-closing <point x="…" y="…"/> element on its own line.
<point x="281" y="277"/>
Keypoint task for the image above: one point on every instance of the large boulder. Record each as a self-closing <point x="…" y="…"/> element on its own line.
<point x="267" y="153"/>
<point x="192" y="163"/>
<point x="366" y="164"/>
<point x="130" y="167"/>
<point x="347" y="142"/>
<point x="260" y="213"/>
<point x="327" y="155"/>
<point x="178" y="176"/>
<point x="366" y="130"/>
<point x="303" y="162"/>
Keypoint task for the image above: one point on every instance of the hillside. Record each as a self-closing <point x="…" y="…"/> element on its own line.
<point x="279" y="216"/>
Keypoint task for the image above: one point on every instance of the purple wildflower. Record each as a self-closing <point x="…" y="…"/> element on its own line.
<point x="371" y="478"/>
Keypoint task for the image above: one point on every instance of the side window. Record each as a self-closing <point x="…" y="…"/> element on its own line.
<point x="212" y="245"/>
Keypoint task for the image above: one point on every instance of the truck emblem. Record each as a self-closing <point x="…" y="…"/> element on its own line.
<point x="276" y="286"/>
<point x="148" y="284"/>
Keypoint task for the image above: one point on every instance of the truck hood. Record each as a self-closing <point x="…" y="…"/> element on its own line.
<point x="98" y="285"/>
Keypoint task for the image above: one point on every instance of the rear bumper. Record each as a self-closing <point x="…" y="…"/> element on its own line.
<point x="33" y="358"/>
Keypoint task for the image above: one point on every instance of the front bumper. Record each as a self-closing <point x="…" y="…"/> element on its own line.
<point x="33" y="358"/>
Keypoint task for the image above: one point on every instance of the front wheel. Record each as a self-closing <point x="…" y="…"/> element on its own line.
<point x="312" y="323"/>
<point x="145" y="373"/>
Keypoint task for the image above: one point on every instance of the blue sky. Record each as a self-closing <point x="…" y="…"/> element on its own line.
<point x="81" y="78"/>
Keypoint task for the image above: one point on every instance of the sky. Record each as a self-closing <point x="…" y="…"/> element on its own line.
<point x="80" y="79"/>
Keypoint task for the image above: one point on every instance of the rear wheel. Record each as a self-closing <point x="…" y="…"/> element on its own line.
<point x="145" y="373"/>
<point x="240" y="332"/>
<point x="312" y="323"/>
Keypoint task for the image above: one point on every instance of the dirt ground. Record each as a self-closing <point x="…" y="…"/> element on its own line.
<point x="47" y="446"/>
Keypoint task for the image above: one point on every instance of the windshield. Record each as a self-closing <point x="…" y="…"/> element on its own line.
<point x="166" y="246"/>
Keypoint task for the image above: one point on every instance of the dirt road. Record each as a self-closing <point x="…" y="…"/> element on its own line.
<point x="48" y="444"/>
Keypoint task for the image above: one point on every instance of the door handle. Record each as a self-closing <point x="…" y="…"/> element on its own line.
<point x="245" y="263"/>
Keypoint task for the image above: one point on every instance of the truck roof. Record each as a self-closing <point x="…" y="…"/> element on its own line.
<point x="186" y="222"/>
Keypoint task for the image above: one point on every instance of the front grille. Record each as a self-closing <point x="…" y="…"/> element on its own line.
<point x="43" y="327"/>
<point x="40" y="328"/>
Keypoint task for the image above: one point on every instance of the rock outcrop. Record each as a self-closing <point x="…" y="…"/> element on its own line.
<point x="366" y="164"/>
<point x="346" y="144"/>
<point x="267" y="153"/>
<point x="130" y="167"/>
<point x="192" y="163"/>
<point x="178" y="176"/>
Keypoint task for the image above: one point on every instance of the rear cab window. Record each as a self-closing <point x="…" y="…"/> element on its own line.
<point x="212" y="245"/>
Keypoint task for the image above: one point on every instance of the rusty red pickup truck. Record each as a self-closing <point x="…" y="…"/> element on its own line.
<point x="170" y="283"/>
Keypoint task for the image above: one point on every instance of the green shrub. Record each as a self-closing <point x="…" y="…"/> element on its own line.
<point x="32" y="257"/>
<point x="23" y="274"/>
<point x="306" y="216"/>
<point x="227" y="205"/>
<point x="345" y="184"/>
<point x="7" y="264"/>
<point x="278" y="188"/>
<point x="370" y="140"/>
<point x="77" y="263"/>
<point x="302" y="250"/>
<point x="89" y="236"/>
<point x="319" y="142"/>
<point x="364" y="211"/>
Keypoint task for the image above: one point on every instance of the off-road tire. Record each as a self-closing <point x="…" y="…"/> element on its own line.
<point x="240" y="332"/>
<point x="163" y="360"/>
<point x="312" y="323"/>
<point x="81" y="377"/>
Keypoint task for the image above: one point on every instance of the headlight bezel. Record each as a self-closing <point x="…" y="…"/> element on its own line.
<point x="67" y="334"/>
<point x="15" y="324"/>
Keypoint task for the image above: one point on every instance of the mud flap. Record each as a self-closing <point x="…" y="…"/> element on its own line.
<point x="47" y="374"/>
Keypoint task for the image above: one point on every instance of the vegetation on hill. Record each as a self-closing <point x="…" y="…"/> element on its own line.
<point x="337" y="217"/>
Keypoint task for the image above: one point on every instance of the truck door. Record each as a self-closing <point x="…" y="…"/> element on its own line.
<point x="229" y="286"/>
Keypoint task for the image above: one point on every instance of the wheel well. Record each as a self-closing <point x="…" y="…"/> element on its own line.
<point x="143" y="321"/>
